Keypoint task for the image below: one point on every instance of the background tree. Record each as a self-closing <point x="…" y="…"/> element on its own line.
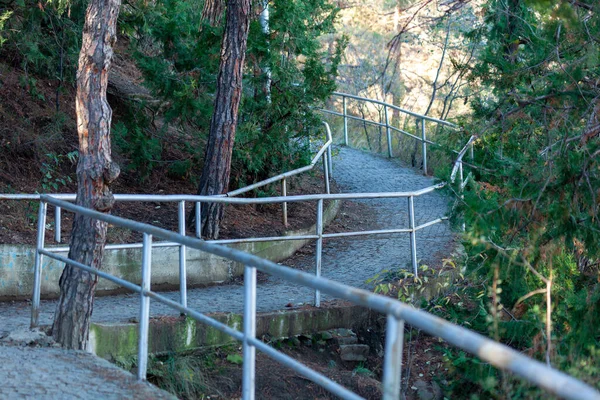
<point x="219" y="148"/>
<point x="181" y="64"/>
<point x="532" y="221"/>
<point x="95" y="171"/>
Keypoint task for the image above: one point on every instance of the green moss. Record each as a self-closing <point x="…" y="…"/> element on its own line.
<point x="114" y="341"/>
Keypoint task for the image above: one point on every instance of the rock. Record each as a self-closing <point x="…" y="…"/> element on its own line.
<point x="326" y="335"/>
<point x="354" y="352"/>
<point x="428" y="391"/>
<point x="28" y="337"/>
<point x="345" y="332"/>
<point x="345" y="340"/>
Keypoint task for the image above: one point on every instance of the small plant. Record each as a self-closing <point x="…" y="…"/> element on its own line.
<point x="235" y="358"/>
<point x="362" y="370"/>
<point x="52" y="179"/>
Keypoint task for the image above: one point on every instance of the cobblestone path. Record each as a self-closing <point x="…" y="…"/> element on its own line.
<point x="50" y="374"/>
<point x="351" y="260"/>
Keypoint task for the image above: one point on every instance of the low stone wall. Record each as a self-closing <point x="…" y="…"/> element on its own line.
<point x="115" y="341"/>
<point x="16" y="265"/>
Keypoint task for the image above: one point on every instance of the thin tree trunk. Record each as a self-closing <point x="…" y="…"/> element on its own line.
<point x="95" y="171"/>
<point x="266" y="70"/>
<point x="217" y="160"/>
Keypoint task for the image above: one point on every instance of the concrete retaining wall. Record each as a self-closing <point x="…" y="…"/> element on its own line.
<point x="16" y="265"/>
<point x="180" y="334"/>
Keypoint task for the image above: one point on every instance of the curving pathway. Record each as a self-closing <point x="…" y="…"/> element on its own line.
<point x="350" y="260"/>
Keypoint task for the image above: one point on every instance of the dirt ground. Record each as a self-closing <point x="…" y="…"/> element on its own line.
<point x="217" y="373"/>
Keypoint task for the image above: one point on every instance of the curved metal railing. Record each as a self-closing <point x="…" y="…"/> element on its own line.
<point x="388" y="127"/>
<point x="397" y="313"/>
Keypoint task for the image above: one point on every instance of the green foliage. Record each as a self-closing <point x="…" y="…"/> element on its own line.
<point x="235" y="358"/>
<point x="53" y="177"/>
<point x="533" y="215"/>
<point x="3" y="18"/>
<point x="182" y="375"/>
<point x="179" y="57"/>
<point x="135" y="141"/>
<point x="44" y="37"/>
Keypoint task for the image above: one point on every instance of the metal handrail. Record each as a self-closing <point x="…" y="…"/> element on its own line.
<point x="326" y="147"/>
<point x="324" y="152"/>
<point x="496" y="354"/>
<point x="388" y="127"/>
<point x="318" y="236"/>
<point x="458" y="162"/>
<point x="402" y="110"/>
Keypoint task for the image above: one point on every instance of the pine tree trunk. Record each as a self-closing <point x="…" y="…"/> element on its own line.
<point x="213" y="11"/>
<point x="95" y="171"/>
<point x="217" y="159"/>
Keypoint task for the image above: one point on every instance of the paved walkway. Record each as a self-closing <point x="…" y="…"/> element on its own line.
<point x="51" y="374"/>
<point x="351" y="260"/>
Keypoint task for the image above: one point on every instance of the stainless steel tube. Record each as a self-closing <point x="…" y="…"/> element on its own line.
<point x="37" y="267"/>
<point x="249" y="351"/>
<point x="144" y="308"/>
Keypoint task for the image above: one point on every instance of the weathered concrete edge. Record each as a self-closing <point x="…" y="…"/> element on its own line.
<point x="16" y="265"/>
<point x="119" y="341"/>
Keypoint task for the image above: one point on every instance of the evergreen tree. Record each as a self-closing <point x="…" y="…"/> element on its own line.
<point x="533" y="217"/>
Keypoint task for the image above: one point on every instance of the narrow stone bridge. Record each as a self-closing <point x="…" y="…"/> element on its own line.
<point x="348" y="260"/>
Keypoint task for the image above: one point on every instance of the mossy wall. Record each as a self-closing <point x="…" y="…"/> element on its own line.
<point x="180" y="334"/>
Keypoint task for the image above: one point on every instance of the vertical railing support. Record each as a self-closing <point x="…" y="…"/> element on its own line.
<point x="326" y="172"/>
<point x="249" y="351"/>
<point x="182" y="257"/>
<point x="330" y="161"/>
<point x="462" y="189"/>
<point x="388" y="132"/>
<point x="319" y="249"/>
<point x="472" y="152"/>
<point x="424" y="145"/>
<point x="57" y="224"/>
<point x="392" y="363"/>
<point x="37" y="267"/>
<point x="284" y="204"/>
<point x="198" y="218"/>
<point x="413" y="236"/>
<point x="345" y="120"/>
<point x="144" y="307"/>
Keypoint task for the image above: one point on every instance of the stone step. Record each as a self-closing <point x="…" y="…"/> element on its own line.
<point x="354" y="352"/>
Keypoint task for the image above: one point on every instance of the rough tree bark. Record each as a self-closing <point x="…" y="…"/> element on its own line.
<point x="217" y="159"/>
<point x="95" y="171"/>
<point x="213" y="11"/>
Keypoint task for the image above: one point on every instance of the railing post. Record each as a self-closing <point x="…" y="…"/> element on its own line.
<point x="182" y="257"/>
<point x="198" y="217"/>
<point x="284" y="204"/>
<point x="388" y="132"/>
<point x="319" y="249"/>
<point x="424" y="144"/>
<point x="37" y="268"/>
<point x="330" y="161"/>
<point x="249" y="351"/>
<point x="392" y="363"/>
<point x="144" y="307"/>
<point x="413" y="237"/>
<point x="345" y="120"/>
<point x="57" y="227"/>
<point x="472" y="152"/>
<point x="326" y="172"/>
<point x="462" y="189"/>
